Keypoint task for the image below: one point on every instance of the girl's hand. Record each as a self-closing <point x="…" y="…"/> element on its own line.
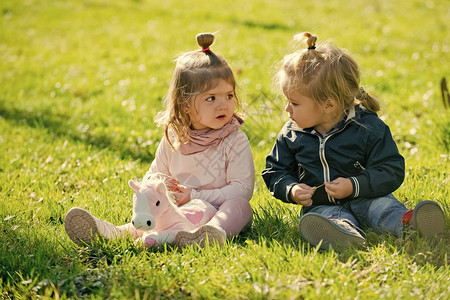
<point x="171" y="183"/>
<point x="182" y="194"/>
<point x="339" y="188"/>
<point x="302" y="193"/>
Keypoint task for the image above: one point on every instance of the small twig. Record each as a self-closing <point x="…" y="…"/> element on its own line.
<point x="320" y="185"/>
<point x="445" y="94"/>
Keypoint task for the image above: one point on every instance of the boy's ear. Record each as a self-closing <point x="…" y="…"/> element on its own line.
<point x="330" y="105"/>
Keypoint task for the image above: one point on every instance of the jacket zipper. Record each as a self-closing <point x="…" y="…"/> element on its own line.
<point x="325" y="167"/>
<point x="323" y="160"/>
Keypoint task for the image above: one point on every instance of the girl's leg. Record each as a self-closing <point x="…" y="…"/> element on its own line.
<point x="82" y="227"/>
<point x="233" y="215"/>
<point x="131" y="230"/>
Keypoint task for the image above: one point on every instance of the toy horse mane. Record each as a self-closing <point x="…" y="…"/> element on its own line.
<point x="154" y="181"/>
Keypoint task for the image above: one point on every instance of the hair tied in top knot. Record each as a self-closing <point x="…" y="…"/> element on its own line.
<point x="205" y="40"/>
<point x="311" y="41"/>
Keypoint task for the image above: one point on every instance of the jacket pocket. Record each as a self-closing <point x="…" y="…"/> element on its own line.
<point x="358" y="166"/>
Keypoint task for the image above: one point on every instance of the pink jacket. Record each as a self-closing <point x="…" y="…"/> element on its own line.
<point x="214" y="175"/>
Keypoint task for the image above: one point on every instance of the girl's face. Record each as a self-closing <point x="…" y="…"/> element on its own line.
<point x="307" y="113"/>
<point x="213" y="108"/>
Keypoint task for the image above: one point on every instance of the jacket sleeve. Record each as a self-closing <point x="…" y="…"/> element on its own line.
<point x="280" y="174"/>
<point x="385" y="168"/>
<point x="240" y="174"/>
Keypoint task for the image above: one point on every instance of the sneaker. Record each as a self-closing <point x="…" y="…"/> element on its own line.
<point x="335" y="233"/>
<point x="82" y="227"/>
<point x="201" y="236"/>
<point x="427" y="218"/>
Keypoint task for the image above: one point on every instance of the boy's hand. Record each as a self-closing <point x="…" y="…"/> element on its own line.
<point x="339" y="188"/>
<point x="302" y="193"/>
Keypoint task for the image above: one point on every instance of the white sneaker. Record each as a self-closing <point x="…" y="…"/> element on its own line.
<point x="336" y="233"/>
<point x="201" y="236"/>
<point x="82" y="227"/>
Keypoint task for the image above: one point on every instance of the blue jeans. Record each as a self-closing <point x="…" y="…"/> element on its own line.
<point x="383" y="215"/>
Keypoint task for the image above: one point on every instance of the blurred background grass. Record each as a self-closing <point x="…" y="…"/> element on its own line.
<point x="80" y="83"/>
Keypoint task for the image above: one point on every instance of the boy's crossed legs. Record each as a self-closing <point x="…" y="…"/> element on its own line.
<point x="338" y="226"/>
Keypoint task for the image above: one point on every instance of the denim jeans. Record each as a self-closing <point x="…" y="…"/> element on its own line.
<point x="383" y="215"/>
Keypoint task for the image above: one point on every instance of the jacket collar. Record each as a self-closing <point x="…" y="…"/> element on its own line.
<point x="351" y="114"/>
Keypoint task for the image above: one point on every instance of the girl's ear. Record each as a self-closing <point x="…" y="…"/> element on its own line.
<point x="187" y="108"/>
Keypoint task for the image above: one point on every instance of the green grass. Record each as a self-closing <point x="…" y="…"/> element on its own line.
<point x="80" y="83"/>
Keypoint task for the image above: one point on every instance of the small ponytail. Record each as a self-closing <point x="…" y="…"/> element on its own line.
<point x="311" y="40"/>
<point x="369" y="102"/>
<point x="205" y="40"/>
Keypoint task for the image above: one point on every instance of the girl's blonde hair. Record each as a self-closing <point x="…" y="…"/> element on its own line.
<point x="195" y="72"/>
<point x="324" y="72"/>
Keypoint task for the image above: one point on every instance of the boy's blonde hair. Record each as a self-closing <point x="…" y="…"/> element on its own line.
<point x="195" y="72"/>
<point x="324" y="72"/>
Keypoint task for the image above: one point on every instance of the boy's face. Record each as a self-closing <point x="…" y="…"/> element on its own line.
<point x="303" y="110"/>
<point x="213" y="108"/>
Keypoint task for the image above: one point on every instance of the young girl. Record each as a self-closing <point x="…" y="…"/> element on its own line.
<point x="203" y="152"/>
<point x="336" y="157"/>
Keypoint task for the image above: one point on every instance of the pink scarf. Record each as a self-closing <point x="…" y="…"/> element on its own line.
<point x="200" y="140"/>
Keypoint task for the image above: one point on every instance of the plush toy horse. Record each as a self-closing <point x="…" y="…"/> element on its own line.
<point x="155" y="213"/>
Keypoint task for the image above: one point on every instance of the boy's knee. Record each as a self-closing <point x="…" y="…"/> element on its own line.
<point x="387" y="205"/>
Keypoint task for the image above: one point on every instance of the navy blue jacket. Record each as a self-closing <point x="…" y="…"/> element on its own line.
<point x="360" y="148"/>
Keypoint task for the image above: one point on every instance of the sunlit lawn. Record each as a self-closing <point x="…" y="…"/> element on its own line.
<point x="80" y="83"/>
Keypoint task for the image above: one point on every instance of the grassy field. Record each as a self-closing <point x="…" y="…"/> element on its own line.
<point x="80" y="84"/>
